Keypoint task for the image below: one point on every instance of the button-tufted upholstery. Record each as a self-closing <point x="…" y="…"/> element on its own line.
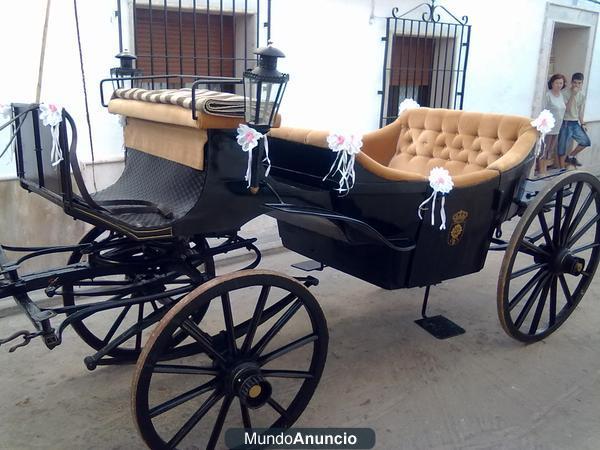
<point x="462" y="142"/>
<point x="473" y="147"/>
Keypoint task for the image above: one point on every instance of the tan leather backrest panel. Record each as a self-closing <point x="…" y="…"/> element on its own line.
<point x="462" y="142"/>
<point x="473" y="147"/>
<point x="181" y="144"/>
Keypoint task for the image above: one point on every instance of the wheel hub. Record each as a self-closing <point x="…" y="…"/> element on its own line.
<point x="250" y="386"/>
<point x="562" y="261"/>
<point x="572" y="264"/>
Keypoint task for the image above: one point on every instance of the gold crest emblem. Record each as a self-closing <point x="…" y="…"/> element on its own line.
<point x="457" y="229"/>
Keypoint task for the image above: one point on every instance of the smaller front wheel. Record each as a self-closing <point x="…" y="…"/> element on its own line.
<point x="254" y="360"/>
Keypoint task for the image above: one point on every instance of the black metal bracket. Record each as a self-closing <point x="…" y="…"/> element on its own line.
<point x="309" y="265"/>
<point x="438" y="326"/>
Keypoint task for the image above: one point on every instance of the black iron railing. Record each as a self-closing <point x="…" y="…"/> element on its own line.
<point x="197" y="37"/>
<point x="425" y="59"/>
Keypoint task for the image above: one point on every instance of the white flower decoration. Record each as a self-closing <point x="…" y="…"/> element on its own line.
<point x="247" y="137"/>
<point x="408" y="103"/>
<point x="440" y="180"/>
<point x="5" y="111"/>
<point x="544" y="122"/>
<point x="350" y="143"/>
<point x="50" y="114"/>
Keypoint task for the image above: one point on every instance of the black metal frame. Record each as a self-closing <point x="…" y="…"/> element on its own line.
<point x="241" y="10"/>
<point x="12" y="284"/>
<point x="413" y="32"/>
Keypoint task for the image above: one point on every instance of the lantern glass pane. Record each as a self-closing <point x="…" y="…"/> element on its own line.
<point x="250" y="88"/>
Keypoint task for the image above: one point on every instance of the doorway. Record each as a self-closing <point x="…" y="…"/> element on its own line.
<point x="569" y="50"/>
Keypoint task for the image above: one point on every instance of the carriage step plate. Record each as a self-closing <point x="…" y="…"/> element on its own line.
<point x="440" y="327"/>
<point x="309" y="265"/>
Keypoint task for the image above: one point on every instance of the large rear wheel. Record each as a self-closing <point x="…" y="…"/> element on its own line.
<point x="551" y="258"/>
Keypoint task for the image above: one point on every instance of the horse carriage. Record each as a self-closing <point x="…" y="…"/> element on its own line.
<point x="248" y="348"/>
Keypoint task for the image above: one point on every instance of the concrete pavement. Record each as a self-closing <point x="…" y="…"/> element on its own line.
<point x="479" y="390"/>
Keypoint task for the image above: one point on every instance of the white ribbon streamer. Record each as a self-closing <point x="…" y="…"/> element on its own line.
<point x="441" y="183"/>
<point x="248" y="139"/>
<point x="51" y="115"/>
<point x="56" y="155"/>
<point x="347" y="147"/>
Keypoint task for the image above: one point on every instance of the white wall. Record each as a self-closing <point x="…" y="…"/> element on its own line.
<point x="334" y="55"/>
<point x="22" y="22"/>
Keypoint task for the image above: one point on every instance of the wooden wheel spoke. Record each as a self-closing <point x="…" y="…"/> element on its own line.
<point x="574" y="238"/>
<point x="245" y="415"/>
<point x="273" y="373"/>
<point x="527" y="270"/>
<point x="216" y="432"/>
<point x="193" y="421"/>
<point x="584" y="248"/>
<point x="580" y="215"/>
<point x="277" y="407"/>
<point x="535" y="322"/>
<point x="287" y="348"/>
<point x="570" y="211"/>
<point x="185" y="369"/>
<point x="203" y="339"/>
<point x="138" y="336"/>
<point x="557" y="216"/>
<point x="276" y="328"/>
<point x="530" y="302"/>
<point x="545" y="229"/>
<point x="525" y="289"/>
<point x="229" y="327"/>
<point x="565" y="289"/>
<point x="532" y="249"/>
<point x="256" y="317"/>
<point x="182" y="398"/>
<point x="115" y="326"/>
<point x="553" y="292"/>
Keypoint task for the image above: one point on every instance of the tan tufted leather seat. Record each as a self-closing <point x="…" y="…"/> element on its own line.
<point x="473" y="147"/>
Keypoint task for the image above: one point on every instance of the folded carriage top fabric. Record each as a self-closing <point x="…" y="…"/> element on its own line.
<point x="208" y="102"/>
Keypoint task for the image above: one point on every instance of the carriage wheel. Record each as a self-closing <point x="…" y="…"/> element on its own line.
<point x="116" y="320"/>
<point x="551" y="258"/>
<point x="264" y="341"/>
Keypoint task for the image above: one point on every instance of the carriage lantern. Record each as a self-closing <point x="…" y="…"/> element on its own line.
<point x="263" y="89"/>
<point x="125" y="69"/>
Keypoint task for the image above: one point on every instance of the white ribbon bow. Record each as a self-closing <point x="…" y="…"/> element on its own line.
<point x="248" y="138"/>
<point x="51" y="115"/>
<point x="407" y="103"/>
<point x="441" y="183"/>
<point x="347" y="146"/>
<point x="544" y="124"/>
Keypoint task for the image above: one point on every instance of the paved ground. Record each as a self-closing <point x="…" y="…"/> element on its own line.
<point x="478" y="390"/>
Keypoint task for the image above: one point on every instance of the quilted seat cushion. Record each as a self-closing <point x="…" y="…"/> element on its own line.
<point x="462" y="142"/>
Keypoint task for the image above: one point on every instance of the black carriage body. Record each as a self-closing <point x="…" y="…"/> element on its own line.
<point x="424" y="254"/>
<point x="372" y="233"/>
<point x="212" y="202"/>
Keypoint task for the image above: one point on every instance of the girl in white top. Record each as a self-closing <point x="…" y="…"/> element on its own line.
<point x="555" y="102"/>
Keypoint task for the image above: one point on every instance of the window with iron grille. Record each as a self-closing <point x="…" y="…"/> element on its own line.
<point x="425" y="60"/>
<point x="194" y="37"/>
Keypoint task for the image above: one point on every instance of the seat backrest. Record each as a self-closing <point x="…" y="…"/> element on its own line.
<point x="462" y="142"/>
